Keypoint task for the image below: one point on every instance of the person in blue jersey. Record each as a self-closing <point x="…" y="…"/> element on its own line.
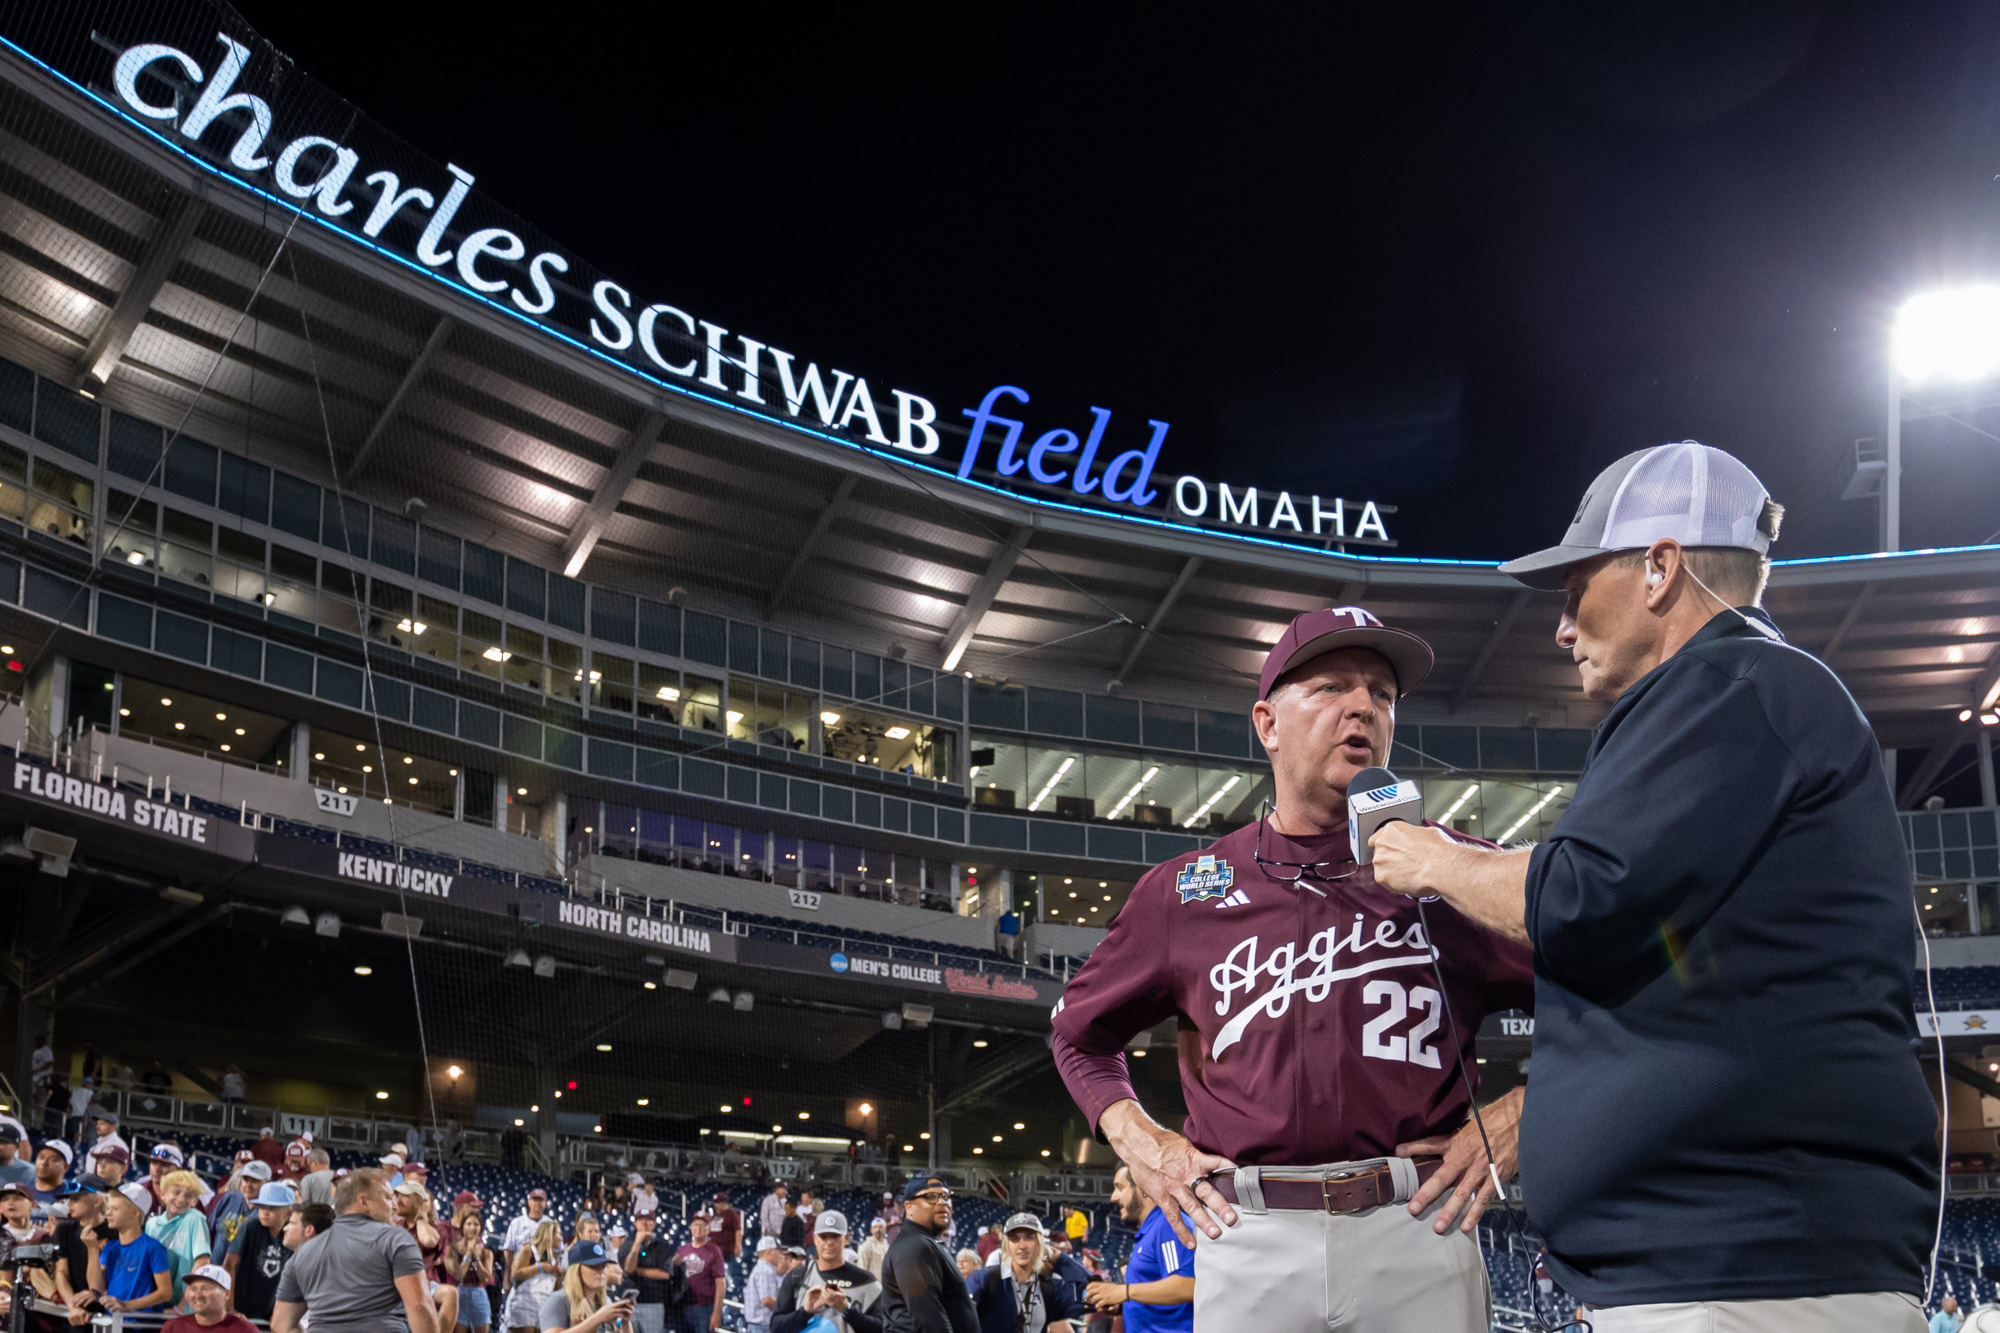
<point x="1157" y="1295"/>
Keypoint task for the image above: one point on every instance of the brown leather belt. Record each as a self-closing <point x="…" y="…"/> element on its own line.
<point x="1346" y="1192"/>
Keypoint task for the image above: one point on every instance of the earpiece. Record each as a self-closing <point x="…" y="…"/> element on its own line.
<point x="1654" y="578"/>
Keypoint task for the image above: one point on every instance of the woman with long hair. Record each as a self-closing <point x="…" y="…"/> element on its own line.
<point x="538" y="1268"/>
<point x="587" y="1227"/>
<point x="584" y="1304"/>
<point x="1021" y="1291"/>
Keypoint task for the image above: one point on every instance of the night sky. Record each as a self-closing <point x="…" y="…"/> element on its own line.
<point x="1454" y="264"/>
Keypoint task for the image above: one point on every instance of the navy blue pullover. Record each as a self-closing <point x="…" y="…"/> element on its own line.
<point x="1724" y="1104"/>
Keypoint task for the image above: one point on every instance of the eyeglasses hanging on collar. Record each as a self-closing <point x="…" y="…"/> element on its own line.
<point x="1296" y="872"/>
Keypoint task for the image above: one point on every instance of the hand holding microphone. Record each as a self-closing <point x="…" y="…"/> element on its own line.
<point x="1385" y="821"/>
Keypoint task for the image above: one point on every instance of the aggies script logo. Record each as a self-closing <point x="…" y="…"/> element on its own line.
<point x="1244" y="971"/>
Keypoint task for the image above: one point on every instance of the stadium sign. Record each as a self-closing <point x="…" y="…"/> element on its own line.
<point x="42" y="785"/>
<point x="327" y="861"/>
<point x="248" y="114"/>
<point x="648" y="930"/>
<point x="1960" y="1023"/>
<point x="933" y="975"/>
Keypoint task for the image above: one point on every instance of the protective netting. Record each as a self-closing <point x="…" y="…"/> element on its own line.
<point x="502" y="617"/>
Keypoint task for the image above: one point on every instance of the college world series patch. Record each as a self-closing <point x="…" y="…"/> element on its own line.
<point x="1204" y="877"/>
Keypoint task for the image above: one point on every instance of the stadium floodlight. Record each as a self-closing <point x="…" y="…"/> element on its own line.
<point x="295" y="916"/>
<point x="327" y="924"/>
<point x="918" y="1015"/>
<point x="720" y="995"/>
<point x="892" y="1021"/>
<point x="545" y="966"/>
<point x="743" y="1002"/>
<point x="518" y="958"/>
<point x="679" y="978"/>
<point x="1949" y="335"/>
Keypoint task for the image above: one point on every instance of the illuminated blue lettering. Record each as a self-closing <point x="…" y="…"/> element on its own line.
<point x="982" y="417"/>
<point x="1045" y="446"/>
<point x="1142" y="461"/>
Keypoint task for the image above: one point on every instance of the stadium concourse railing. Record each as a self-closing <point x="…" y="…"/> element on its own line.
<point x="74" y="760"/>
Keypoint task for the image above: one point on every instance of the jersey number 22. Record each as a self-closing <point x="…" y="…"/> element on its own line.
<point x="1374" y="1039"/>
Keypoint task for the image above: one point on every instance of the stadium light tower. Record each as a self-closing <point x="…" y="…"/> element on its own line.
<point x="1942" y="337"/>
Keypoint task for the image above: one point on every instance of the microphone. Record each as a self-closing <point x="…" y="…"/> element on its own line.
<point x="1375" y="798"/>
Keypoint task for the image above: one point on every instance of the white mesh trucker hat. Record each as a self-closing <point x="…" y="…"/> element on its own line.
<point x="1696" y="495"/>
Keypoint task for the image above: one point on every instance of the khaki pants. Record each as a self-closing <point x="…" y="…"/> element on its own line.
<point x="1867" y="1312"/>
<point x="1376" y="1271"/>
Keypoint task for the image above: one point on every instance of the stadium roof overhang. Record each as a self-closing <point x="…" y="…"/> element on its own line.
<point x="128" y="263"/>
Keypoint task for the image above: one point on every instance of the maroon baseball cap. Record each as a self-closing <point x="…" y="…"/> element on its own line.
<point x="1319" y="632"/>
<point x="466" y="1198"/>
<point x="538" y="1193"/>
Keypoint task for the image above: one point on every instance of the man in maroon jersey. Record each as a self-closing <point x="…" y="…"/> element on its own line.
<point x="1327" y="1152"/>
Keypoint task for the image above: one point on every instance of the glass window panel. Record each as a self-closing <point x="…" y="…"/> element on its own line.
<point x="702" y="704"/>
<point x="438" y="557"/>
<point x="742" y="712"/>
<point x="434" y="630"/>
<point x="246" y="489"/>
<point x="294" y="565"/>
<point x="523" y="660"/>
<point x="785" y="861"/>
<point x="186" y="563"/>
<point x="479" y="647"/>
<point x="242" y="582"/>
<point x="659" y="694"/>
<point x="885" y="741"/>
<point x="1055" y="783"/>
<point x="998" y="773"/>
<point x="611" y="680"/>
<point x="14" y="482"/>
<point x="566" y="671"/>
<point x="294" y="506"/>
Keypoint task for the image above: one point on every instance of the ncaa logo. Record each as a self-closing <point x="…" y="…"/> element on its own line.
<point x="838" y="962"/>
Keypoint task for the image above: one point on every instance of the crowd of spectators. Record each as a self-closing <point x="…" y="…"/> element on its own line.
<point x="284" y="1239"/>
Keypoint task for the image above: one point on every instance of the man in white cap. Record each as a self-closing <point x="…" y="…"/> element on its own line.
<point x="1721" y="924"/>
<point x="827" y="1285"/>
<point x="761" y="1284"/>
<point x="207" y="1294"/>
<point x="870" y="1253"/>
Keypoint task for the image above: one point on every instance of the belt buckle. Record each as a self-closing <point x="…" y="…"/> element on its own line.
<point x="1326" y="1194"/>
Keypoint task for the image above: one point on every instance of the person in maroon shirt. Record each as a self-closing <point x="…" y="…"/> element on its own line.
<point x="707" y="1279"/>
<point x="268" y="1150"/>
<point x="1320" y="1077"/>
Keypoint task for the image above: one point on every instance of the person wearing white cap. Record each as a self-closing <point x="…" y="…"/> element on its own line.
<point x="827" y="1286"/>
<point x="1721" y="925"/>
<point x="1022" y="1294"/>
<point x="761" y="1284"/>
<point x="870" y="1253"/>
<point x="208" y="1291"/>
<point x="52" y="1163"/>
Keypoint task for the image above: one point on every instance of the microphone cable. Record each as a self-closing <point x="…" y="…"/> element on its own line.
<point x="1552" y="1321"/>
<point x="1944" y="1102"/>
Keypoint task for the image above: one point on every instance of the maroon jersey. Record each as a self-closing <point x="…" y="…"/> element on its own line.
<point x="1311" y="1029"/>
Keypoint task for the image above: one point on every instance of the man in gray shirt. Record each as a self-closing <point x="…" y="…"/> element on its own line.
<point x="365" y="1275"/>
<point x="317" y="1185"/>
